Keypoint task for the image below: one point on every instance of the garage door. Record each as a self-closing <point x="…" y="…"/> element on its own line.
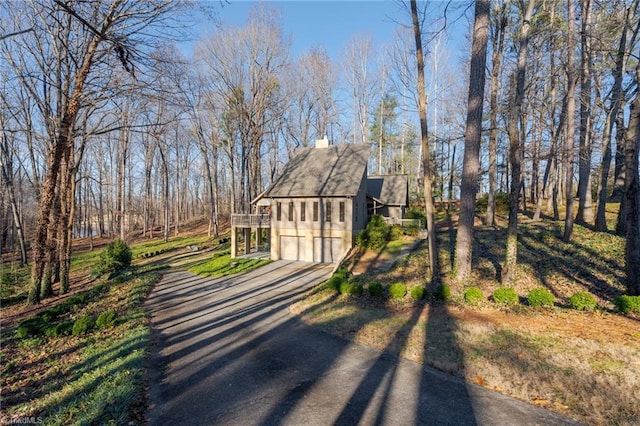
<point x="327" y="250"/>
<point x="291" y="248"/>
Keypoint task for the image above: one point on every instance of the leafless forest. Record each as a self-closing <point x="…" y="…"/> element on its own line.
<point x="110" y="125"/>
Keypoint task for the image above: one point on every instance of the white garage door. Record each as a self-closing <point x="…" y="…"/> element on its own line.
<point x="291" y="248"/>
<point x="327" y="250"/>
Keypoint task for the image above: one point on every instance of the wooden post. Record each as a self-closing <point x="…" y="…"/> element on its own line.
<point x="234" y="242"/>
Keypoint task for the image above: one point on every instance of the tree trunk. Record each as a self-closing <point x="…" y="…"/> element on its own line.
<point x="426" y="153"/>
<point x="472" y="139"/>
<point x="570" y="131"/>
<point x="515" y="148"/>
<point x="585" y="205"/>
<point x="632" y="195"/>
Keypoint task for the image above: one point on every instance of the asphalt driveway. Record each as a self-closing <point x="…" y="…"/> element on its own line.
<point x="228" y="352"/>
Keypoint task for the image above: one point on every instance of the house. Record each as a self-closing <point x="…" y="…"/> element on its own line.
<point x="317" y="205"/>
<point x="388" y="196"/>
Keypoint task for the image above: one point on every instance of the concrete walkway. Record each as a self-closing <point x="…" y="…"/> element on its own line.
<point x="228" y="352"/>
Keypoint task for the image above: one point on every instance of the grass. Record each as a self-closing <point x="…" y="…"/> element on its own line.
<point x="89" y="379"/>
<point x="98" y="377"/>
<point x="223" y="264"/>
<point x="579" y="364"/>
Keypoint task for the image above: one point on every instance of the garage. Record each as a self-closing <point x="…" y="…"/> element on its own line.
<point x="292" y="247"/>
<point x="327" y="250"/>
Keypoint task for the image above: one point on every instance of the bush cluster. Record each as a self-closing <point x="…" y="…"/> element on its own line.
<point x="583" y="301"/>
<point x="628" y="304"/>
<point x="376" y="289"/>
<point x="106" y="320"/>
<point x="397" y="290"/>
<point x="473" y="295"/>
<point x="506" y="296"/>
<point x="541" y="297"/>
<point x="115" y="258"/>
<point x="46" y="322"/>
<point x="83" y="325"/>
<point x="377" y="233"/>
<point x="417" y="293"/>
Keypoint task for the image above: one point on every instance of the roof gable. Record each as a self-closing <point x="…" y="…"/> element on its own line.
<point x="336" y="170"/>
<point x="392" y="190"/>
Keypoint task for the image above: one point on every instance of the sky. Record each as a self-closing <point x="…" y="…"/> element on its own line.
<point x="332" y="24"/>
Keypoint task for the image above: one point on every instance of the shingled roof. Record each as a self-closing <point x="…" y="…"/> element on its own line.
<point x="391" y="190"/>
<point x="334" y="171"/>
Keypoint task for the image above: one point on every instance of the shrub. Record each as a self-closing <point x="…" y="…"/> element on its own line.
<point x="347" y="287"/>
<point x="443" y="292"/>
<point x="505" y="296"/>
<point x="583" y="301"/>
<point x="116" y="257"/>
<point x="473" y="295"/>
<point x="376" y="289"/>
<point x="30" y="327"/>
<point x="417" y="292"/>
<point x="106" y="320"/>
<point x="627" y="304"/>
<point x="539" y="297"/>
<point x="83" y="325"/>
<point x="395" y="232"/>
<point x="415" y="213"/>
<point x="61" y="329"/>
<point x="362" y="238"/>
<point x="378" y="237"/>
<point x="333" y="283"/>
<point x="397" y="290"/>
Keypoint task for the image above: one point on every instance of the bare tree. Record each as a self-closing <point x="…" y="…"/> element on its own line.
<point x="516" y="143"/>
<point x="632" y="194"/>
<point x="472" y="139"/>
<point x="426" y="148"/>
<point x="570" y="123"/>
<point x="497" y="47"/>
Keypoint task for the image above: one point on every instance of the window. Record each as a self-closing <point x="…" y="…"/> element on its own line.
<point x="315" y="211"/>
<point x="279" y="211"/>
<point x="327" y="211"/>
<point x="341" y="211"/>
<point x="290" y="211"/>
<point x="303" y="213"/>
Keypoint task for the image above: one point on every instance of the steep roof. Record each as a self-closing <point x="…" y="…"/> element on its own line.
<point x="392" y="190"/>
<point x="336" y="170"/>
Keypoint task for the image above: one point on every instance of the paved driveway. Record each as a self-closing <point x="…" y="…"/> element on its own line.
<point x="228" y="352"/>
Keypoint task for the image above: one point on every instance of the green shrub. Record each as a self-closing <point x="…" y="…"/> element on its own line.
<point x="583" y="301"/>
<point x="333" y="283"/>
<point x="541" y="297"/>
<point x="347" y="287"/>
<point x="378" y="237"/>
<point x="30" y="327"/>
<point x="417" y="292"/>
<point x="106" y="320"/>
<point x="443" y="292"/>
<point x="473" y="295"/>
<point x="362" y="238"/>
<point x="505" y="296"/>
<point x="415" y="213"/>
<point x="627" y="304"/>
<point x="83" y="325"/>
<point x="376" y="289"/>
<point x="60" y="329"/>
<point x="115" y="258"/>
<point x="395" y="232"/>
<point x="397" y="290"/>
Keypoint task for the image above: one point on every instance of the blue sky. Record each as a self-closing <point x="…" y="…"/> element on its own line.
<point x="332" y="24"/>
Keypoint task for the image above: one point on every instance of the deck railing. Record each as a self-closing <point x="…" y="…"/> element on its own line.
<point x="240" y="220"/>
<point x="405" y="223"/>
